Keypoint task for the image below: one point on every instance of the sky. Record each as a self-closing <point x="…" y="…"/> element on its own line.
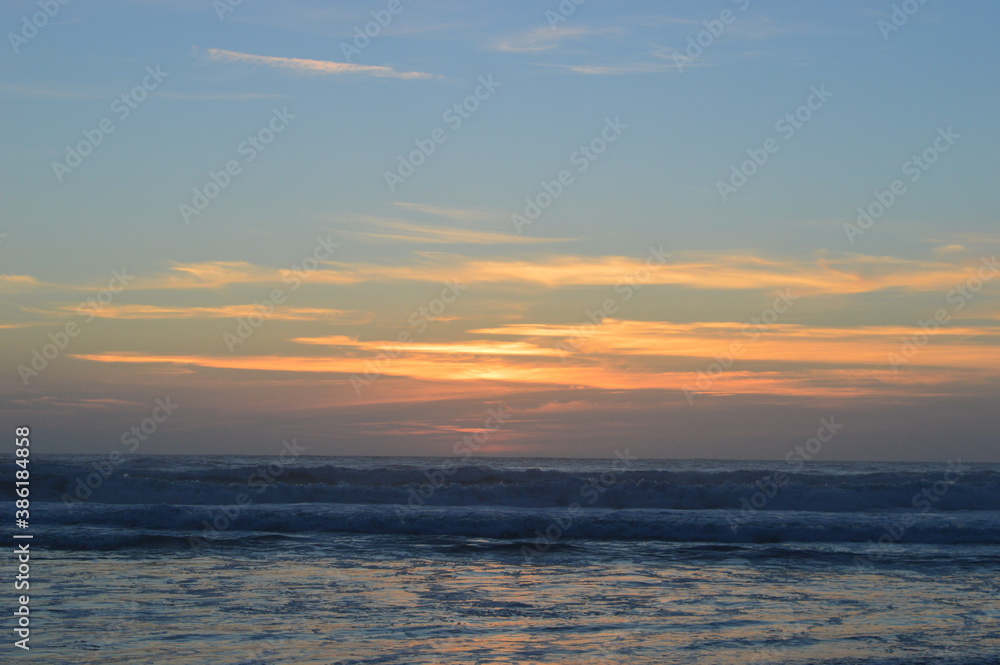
<point x="562" y="229"/>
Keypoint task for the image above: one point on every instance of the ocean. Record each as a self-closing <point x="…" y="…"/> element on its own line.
<point x="227" y="560"/>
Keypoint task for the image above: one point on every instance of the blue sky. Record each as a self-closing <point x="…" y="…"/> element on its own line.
<point x="558" y="87"/>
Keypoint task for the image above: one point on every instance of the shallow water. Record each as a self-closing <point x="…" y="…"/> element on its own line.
<point x="376" y="599"/>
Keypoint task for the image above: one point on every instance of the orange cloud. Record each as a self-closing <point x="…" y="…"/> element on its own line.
<point x="426" y="234"/>
<point x="280" y="312"/>
<point x="438" y="365"/>
<point x="847" y="274"/>
<point x="957" y="347"/>
<point x="18" y="283"/>
<point x="471" y="347"/>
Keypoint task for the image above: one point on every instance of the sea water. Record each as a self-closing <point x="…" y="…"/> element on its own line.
<point x="225" y="560"/>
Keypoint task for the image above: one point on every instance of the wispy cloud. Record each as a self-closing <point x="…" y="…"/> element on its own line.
<point x="58" y="93"/>
<point x="404" y="231"/>
<point x="146" y="312"/>
<point x="19" y="283"/>
<point x="618" y="70"/>
<point x="219" y="96"/>
<point x="764" y="28"/>
<point x="656" y="61"/>
<point x="963" y="347"/>
<point x="843" y="274"/>
<point x="464" y="348"/>
<point x="47" y="92"/>
<point x="455" y="213"/>
<point x="527" y="367"/>
<point x="545" y="39"/>
<point x="312" y="67"/>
